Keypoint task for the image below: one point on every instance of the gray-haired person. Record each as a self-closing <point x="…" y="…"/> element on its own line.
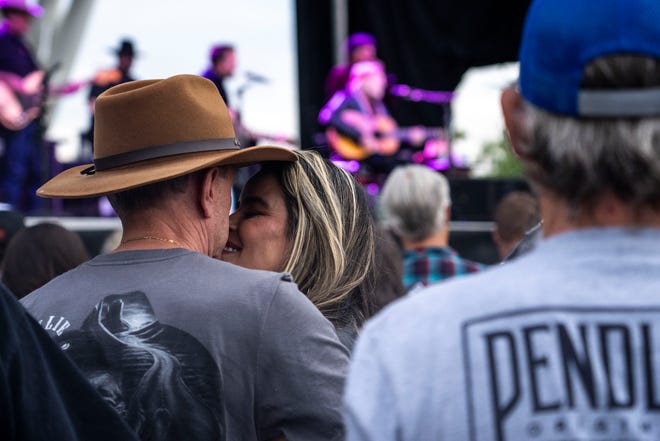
<point x="416" y="206"/>
<point x="564" y="341"/>
<point x="183" y="345"/>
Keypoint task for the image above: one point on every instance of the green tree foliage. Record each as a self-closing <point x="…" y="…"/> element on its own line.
<point x="497" y="156"/>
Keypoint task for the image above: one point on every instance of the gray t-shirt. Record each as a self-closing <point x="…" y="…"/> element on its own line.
<point x="189" y="347"/>
<point x="562" y="343"/>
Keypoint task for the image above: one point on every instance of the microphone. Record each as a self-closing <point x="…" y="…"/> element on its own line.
<point x="429" y="96"/>
<point x="257" y="78"/>
<point x="400" y="90"/>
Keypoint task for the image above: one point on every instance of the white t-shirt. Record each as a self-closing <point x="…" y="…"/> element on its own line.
<point x="560" y="344"/>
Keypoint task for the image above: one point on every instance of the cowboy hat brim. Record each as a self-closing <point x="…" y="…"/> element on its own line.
<point x="73" y="183"/>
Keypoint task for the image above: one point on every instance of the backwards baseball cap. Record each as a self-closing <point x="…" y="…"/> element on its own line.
<point x="561" y="37"/>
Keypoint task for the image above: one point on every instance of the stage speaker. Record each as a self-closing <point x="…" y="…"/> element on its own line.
<point x="475" y="199"/>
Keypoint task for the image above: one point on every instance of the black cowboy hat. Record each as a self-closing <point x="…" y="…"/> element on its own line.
<point x="126" y="47"/>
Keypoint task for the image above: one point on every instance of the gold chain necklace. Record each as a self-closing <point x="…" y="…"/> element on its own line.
<point x="160" y="239"/>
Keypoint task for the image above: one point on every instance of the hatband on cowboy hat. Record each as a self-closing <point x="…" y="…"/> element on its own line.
<point x="152" y="130"/>
<point x="29" y="7"/>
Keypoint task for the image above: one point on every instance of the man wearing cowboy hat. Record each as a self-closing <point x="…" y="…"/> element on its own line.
<point x="20" y="151"/>
<point x="183" y="345"/>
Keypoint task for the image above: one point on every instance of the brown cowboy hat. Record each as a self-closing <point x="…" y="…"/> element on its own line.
<point x="153" y="130"/>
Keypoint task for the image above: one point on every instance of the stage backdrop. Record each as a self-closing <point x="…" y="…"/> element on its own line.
<point x="426" y="44"/>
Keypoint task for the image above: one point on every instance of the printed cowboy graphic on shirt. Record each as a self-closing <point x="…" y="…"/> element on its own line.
<point x="564" y="374"/>
<point x="161" y="379"/>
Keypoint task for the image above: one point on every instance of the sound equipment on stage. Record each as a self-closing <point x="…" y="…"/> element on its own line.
<point x="475" y="199"/>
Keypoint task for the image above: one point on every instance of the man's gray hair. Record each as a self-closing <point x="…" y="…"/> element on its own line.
<point x="414" y="201"/>
<point x="583" y="159"/>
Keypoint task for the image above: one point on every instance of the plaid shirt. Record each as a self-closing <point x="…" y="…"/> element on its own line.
<point x="424" y="266"/>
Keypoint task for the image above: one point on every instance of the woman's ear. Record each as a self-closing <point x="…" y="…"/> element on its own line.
<point x="513" y="110"/>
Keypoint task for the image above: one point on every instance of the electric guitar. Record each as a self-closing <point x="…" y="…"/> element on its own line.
<point x="383" y="132"/>
<point x="18" y="109"/>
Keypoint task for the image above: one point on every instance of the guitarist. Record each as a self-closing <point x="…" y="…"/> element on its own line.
<point x="361" y="116"/>
<point x="223" y="64"/>
<point x="223" y="61"/>
<point x="20" y="160"/>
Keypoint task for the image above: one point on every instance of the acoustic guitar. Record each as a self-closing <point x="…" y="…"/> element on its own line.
<point x="384" y="131"/>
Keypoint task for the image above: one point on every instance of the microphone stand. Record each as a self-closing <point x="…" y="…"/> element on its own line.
<point x="442" y="98"/>
<point x="239" y="97"/>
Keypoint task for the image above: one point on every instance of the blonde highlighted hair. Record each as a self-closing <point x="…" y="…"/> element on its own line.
<point x="332" y="236"/>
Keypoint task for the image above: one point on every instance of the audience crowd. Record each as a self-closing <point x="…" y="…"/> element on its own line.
<point x="295" y="310"/>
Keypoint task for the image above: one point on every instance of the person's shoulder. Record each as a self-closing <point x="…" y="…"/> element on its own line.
<point x="449" y="299"/>
<point x="338" y="69"/>
<point x="346" y="102"/>
<point x="6" y="36"/>
<point x="528" y="242"/>
<point x="203" y="272"/>
<point x="208" y="74"/>
<point x="471" y="266"/>
<point x="260" y="285"/>
<point x="449" y="253"/>
<point x="251" y="279"/>
<point x="227" y="276"/>
<point x="247" y="275"/>
<point x="62" y="283"/>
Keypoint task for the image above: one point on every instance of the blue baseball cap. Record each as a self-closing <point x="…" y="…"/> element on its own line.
<point x="561" y="37"/>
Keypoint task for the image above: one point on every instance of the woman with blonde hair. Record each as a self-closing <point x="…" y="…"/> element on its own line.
<point x="310" y="218"/>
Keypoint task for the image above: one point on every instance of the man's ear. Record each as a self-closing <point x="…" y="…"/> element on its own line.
<point x="208" y="192"/>
<point x="513" y="110"/>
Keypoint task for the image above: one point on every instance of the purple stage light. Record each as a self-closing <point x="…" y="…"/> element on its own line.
<point x="350" y="166"/>
<point x="373" y="189"/>
<point x="438" y="164"/>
